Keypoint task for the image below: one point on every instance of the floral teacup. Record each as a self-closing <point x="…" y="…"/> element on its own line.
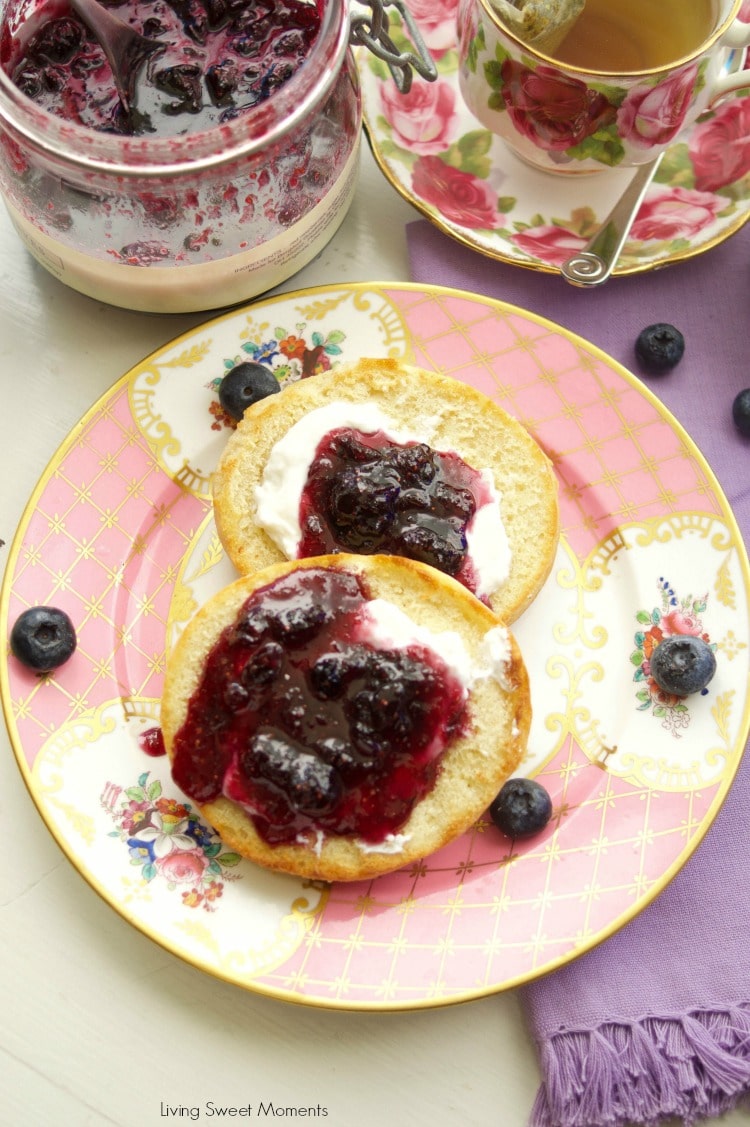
<point x="561" y="118"/>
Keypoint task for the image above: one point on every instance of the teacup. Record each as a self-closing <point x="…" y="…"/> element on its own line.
<point x="568" y="118"/>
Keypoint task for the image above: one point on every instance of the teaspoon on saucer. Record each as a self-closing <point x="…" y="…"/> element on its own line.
<point x="126" y="49"/>
<point x="595" y="262"/>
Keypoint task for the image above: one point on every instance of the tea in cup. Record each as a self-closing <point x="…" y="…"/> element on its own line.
<point x="626" y="80"/>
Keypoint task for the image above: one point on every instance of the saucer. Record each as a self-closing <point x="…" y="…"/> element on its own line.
<point x="470" y="185"/>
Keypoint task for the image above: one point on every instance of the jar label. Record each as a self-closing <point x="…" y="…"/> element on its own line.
<point x="209" y="285"/>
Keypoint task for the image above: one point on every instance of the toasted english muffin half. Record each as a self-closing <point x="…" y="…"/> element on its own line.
<point x="478" y="758"/>
<point x="452" y="416"/>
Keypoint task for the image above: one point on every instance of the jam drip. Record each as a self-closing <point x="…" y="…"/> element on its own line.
<point x="152" y="742"/>
<point x="218" y="58"/>
<point x="308" y="726"/>
<point x="365" y="493"/>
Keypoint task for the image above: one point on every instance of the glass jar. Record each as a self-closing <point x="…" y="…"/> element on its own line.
<point x="189" y="222"/>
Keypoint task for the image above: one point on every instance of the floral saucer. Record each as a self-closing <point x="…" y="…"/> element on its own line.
<point x="469" y="184"/>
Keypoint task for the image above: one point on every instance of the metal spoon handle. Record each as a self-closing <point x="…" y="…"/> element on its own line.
<point x="594" y="264"/>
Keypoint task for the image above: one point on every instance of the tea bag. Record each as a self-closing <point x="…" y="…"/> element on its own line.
<point x="542" y="24"/>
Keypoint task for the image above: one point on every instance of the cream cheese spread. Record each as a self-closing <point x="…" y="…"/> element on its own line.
<point x="386" y="626"/>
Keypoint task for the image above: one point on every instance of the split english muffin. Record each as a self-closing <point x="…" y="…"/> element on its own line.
<point x="341" y="716"/>
<point x="383" y="457"/>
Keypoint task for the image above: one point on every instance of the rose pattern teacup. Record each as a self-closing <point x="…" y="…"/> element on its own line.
<point x="563" y="119"/>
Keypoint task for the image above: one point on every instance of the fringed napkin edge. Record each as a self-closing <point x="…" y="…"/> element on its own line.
<point x="644" y="1072"/>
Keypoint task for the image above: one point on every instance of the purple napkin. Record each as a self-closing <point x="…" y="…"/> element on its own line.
<point x="654" y="1023"/>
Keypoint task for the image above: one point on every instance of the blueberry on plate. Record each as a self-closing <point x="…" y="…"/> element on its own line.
<point x="659" y="348"/>
<point x="741" y="412"/>
<point x="244" y="385"/>
<point x="43" y="638"/>
<point x="523" y="807"/>
<point x="682" y="664"/>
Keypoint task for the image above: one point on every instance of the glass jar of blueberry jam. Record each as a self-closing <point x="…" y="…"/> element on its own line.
<point x="230" y="169"/>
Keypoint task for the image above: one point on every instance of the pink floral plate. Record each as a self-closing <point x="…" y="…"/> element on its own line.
<point x="119" y="533"/>
<point x="469" y="184"/>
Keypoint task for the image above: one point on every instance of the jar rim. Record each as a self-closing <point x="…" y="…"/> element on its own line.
<point x="145" y="156"/>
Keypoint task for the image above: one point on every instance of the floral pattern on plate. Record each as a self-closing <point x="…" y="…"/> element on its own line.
<point x="672" y="617"/>
<point x="166" y="840"/>
<point x="464" y="179"/>
<point x="287" y="353"/>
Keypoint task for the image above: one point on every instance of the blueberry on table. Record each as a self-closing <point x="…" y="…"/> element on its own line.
<point x="43" y="638"/>
<point x="659" y="347"/>
<point x="682" y="664"/>
<point x="522" y="808"/>
<point x="741" y="412"/>
<point x="244" y="385"/>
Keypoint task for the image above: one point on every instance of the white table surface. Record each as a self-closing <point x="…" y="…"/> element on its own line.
<point x="100" y="1025"/>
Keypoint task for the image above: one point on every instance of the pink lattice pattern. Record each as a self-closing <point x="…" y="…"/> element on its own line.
<point x="80" y="553"/>
<point x="630" y="464"/>
<point x="482" y="910"/>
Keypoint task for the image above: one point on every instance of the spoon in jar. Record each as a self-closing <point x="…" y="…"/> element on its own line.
<point x="595" y="262"/>
<point x="126" y="49"/>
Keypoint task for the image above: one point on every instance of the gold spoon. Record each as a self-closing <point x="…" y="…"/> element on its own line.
<point x="126" y="49"/>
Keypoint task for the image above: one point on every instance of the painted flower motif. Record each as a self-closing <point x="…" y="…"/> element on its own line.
<point x="265" y="352"/>
<point x="549" y="243"/>
<point x="289" y="355"/>
<point x="673" y="616"/>
<point x="654" y="115"/>
<point x="134" y="815"/>
<point x="293" y="347"/>
<point x="675" y="213"/>
<point x="424" y="120"/>
<point x="171" y="807"/>
<point x="168" y="842"/>
<point x="551" y="109"/>
<point x="681" y="621"/>
<point x="720" y="147"/>
<point x="183" y="866"/>
<point x="165" y="836"/>
<point x="459" y="196"/>
<point x="140" y="853"/>
<point x="437" y="23"/>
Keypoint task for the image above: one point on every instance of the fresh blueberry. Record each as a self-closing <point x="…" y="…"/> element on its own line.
<point x="43" y="638"/>
<point x="659" y="347"/>
<point x="523" y="807"/>
<point x="244" y="385"/>
<point x="741" y="412"/>
<point x="682" y="664"/>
